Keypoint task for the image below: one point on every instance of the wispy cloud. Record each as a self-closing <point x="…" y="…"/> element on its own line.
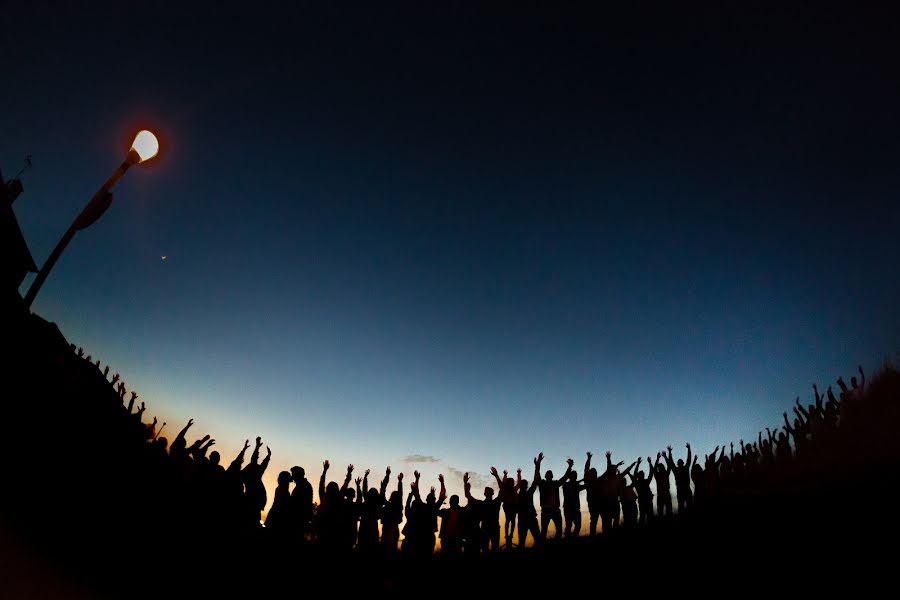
<point x="479" y="481"/>
<point x="420" y="458"/>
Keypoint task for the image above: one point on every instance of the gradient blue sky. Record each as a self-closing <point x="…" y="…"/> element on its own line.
<point x="464" y="235"/>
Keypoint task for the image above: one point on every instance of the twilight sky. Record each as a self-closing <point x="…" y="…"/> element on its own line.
<point x="467" y="236"/>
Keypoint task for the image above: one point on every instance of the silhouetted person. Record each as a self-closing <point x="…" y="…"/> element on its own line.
<point x="509" y="498"/>
<point x="301" y="503"/>
<point x="571" y="489"/>
<point x="451" y="527"/>
<point x="528" y="521"/>
<point x="254" y="489"/>
<point x="372" y="503"/>
<point x="682" y="478"/>
<point x="644" y="493"/>
<point x="661" y="475"/>
<point x="592" y="488"/>
<point x="279" y="519"/>
<point x="608" y="487"/>
<point x="392" y="514"/>
<point x="486" y="511"/>
<point x="549" y="490"/>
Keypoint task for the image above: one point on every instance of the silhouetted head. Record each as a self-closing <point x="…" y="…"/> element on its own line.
<point x="811" y="409"/>
<point x="548" y="475"/>
<point x="509" y="484"/>
<point x="680" y="462"/>
<point x="298" y="474"/>
<point x="430" y="498"/>
<point x="660" y="468"/>
<point x="396" y="498"/>
<point x="593" y="472"/>
<point x="454" y="501"/>
<point x="214" y="458"/>
<point x="573" y="476"/>
<point x="372" y="496"/>
<point x="332" y="491"/>
<point x="523" y="485"/>
<point x="162" y="442"/>
<point x="748" y="449"/>
<point x="284" y="478"/>
<point x="488" y="492"/>
<point x="349" y="494"/>
<point x="639" y="476"/>
<point x="782" y="437"/>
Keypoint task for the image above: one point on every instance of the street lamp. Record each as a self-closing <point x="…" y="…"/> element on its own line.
<point x="144" y="147"/>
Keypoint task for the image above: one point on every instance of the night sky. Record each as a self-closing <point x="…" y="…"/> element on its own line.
<point x="464" y="235"/>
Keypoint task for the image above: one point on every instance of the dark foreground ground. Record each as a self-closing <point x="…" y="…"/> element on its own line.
<point x="78" y="519"/>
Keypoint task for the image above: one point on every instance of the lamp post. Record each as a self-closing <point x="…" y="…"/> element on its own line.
<point x="144" y="147"/>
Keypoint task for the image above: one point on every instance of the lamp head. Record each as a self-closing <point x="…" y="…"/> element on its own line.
<point x="144" y="147"/>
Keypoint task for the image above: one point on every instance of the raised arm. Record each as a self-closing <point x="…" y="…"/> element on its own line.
<point x="365" y="481"/>
<point x="800" y="407"/>
<point x="254" y="458"/>
<point x="670" y="464"/>
<point x="443" y="494"/>
<point x="325" y="466"/>
<point x="183" y="432"/>
<point x="384" y="482"/>
<point x="467" y="487"/>
<point x="347" y="478"/>
<point x="630" y="467"/>
<point x="239" y="459"/>
<point x="569" y="463"/>
<point x="587" y="463"/>
<point x="497" y="477"/>
<point x="862" y="380"/>
<point x="265" y="462"/>
<point x="688" y="446"/>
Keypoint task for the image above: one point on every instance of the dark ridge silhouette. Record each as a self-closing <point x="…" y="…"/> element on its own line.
<point x="99" y="499"/>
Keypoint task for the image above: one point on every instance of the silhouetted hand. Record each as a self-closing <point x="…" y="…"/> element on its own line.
<point x="519" y="471"/>
<point x="608" y="454"/>
<point x="366" y="473"/>
<point x="466" y="477"/>
<point x="669" y="448"/>
<point x="494" y="472"/>
<point x="268" y="451"/>
<point x="358" y="481"/>
<point x="246" y="444"/>
<point x="417" y="475"/>
<point x="540" y="457"/>
<point x="154" y="422"/>
<point x="505" y="473"/>
<point x="349" y="469"/>
<point x="441" y="478"/>
<point x="190" y="422"/>
<point x="325" y="464"/>
<point x="570" y="462"/>
<point x="400" y="477"/>
<point x="589" y="455"/>
<point x="387" y="472"/>
<point x="432" y="490"/>
<point x="258" y="441"/>
<point x="211" y="443"/>
<point x="639" y="460"/>
<point x="658" y="455"/>
<point x="688" y="446"/>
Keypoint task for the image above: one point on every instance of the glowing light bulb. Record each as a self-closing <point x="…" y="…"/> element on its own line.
<point x="145" y="144"/>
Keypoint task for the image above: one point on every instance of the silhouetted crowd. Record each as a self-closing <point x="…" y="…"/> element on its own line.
<point x="829" y="434"/>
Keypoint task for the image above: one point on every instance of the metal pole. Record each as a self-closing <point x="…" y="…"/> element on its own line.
<point x="92" y="211"/>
